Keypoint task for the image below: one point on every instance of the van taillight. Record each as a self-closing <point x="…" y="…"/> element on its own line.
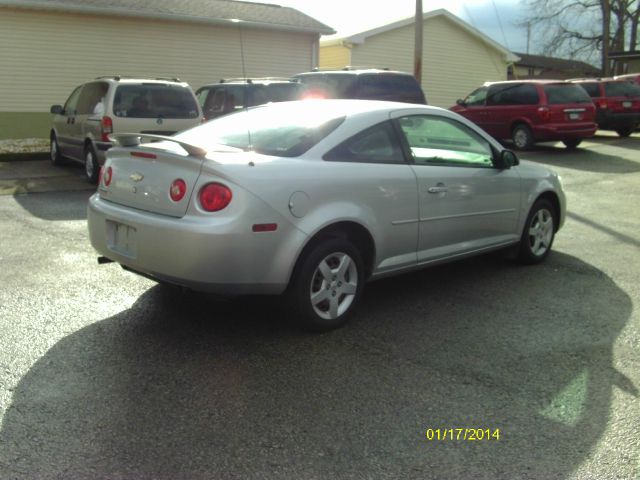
<point x="107" y="128"/>
<point x="602" y="103"/>
<point x="544" y="113"/>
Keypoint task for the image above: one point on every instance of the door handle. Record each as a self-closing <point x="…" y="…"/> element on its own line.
<point x="438" y="189"/>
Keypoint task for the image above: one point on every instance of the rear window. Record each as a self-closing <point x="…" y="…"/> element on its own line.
<point x="283" y="132"/>
<point x="565" y="93"/>
<point x="330" y="86"/>
<point x="282" y="92"/>
<point x="380" y="86"/>
<point x="621" y="89"/>
<point x="385" y="86"/>
<point x="152" y="100"/>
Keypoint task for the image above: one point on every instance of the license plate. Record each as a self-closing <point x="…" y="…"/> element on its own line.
<point x="121" y="238"/>
<point x="575" y="116"/>
<point x="626" y="104"/>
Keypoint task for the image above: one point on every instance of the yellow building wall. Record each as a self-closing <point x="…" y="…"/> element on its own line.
<point x="334" y="56"/>
<point x="454" y="63"/>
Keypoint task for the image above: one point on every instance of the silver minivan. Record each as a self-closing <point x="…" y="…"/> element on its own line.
<point x="107" y="105"/>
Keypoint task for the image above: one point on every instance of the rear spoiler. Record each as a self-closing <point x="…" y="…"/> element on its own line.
<point x="134" y="139"/>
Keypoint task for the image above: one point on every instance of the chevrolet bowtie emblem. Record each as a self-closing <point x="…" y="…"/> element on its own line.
<point x="136" y="177"/>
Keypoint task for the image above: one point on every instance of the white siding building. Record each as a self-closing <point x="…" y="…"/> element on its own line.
<point x="456" y="57"/>
<point x="47" y="47"/>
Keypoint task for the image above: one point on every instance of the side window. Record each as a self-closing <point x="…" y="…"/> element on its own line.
<point x="92" y="98"/>
<point x="215" y="102"/>
<point x="378" y="144"/>
<point x="513" y="94"/>
<point x="444" y="141"/>
<point x="477" y="97"/>
<point x="202" y="95"/>
<point x="235" y="98"/>
<point x="71" y="105"/>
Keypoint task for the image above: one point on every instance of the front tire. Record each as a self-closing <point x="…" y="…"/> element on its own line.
<point x="538" y="234"/>
<point x="522" y="137"/>
<point x="91" y="166"/>
<point x="327" y="285"/>
<point x="54" y="151"/>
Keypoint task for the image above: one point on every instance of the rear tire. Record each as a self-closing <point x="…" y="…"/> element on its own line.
<point x="538" y="234"/>
<point x="522" y="137"/>
<point x="572" y="143"/>
<point x="327" y="285"/>
<point x="91" y="166"/>
<point x="624" y="131"/>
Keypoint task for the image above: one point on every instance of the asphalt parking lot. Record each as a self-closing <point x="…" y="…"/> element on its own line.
<point x="106" y="375"/>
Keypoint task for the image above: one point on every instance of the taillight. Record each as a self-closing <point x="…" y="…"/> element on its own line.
<point x="107" y="128"/>
<point x="107" y="176"/>
<point x="214" y="197"/>
<point x="177" y="190"/>
<point x="602" y="103"/>
<point x="544" y="113"/>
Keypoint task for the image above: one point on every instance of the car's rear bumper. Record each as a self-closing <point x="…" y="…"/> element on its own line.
<point x="564" y="131"/>
<point x="214" y="255"/>
<point x="613" y="120"/>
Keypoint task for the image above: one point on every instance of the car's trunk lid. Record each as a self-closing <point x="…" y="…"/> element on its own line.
<point x="142" y="176"/>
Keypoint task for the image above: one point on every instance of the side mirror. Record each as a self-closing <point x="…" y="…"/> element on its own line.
<point x="56" y="109"/>
<point x="461" y="102"/>
<point x="507" y="160"/>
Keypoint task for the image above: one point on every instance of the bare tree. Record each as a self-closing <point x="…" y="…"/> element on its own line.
<point x="584" y="29"/>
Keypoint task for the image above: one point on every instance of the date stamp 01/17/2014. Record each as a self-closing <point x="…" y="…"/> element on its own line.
<point x="463" y="434"/>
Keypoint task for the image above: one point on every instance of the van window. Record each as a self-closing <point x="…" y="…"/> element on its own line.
<point x="92" y="94"/>
<point x="151" y="100"/>
<point x="390" y="87"/>
<point x="621" y="89"/>
<point x="565" y="93"/>
<point x="513" y="94"/>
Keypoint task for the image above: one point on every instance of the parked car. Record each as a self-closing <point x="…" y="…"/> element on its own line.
<point x="311" y="199"/>
<point x="530" y="111"/>
<point x="617" y="103"/>
<point x="108" y="105"/>
<point x="234" y="94"/>
<point x="366" y="84"/>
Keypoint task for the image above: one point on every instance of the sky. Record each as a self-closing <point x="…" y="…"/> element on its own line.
<point x="352" y="16"/>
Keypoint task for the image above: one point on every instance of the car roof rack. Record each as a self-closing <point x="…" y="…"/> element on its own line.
<point x="256" y="79"/>
<point x="347" y="68"/>
<point x="117" y="78"/>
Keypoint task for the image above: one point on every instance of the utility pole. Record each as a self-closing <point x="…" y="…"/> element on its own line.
<point x="417" y="59"/>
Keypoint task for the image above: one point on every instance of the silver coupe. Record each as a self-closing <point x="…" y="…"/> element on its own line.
<point x="312" y="199"/>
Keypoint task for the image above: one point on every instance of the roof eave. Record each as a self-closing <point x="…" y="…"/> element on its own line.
<point x="361" y="37"/>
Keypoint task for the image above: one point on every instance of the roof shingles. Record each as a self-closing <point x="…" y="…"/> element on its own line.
<point x="215" y="11"/>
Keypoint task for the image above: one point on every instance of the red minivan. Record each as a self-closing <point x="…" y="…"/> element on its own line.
<point x="617" y="103"/>
<point x="530" y="111"/>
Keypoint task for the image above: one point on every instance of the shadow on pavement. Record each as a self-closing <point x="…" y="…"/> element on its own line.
<point x="582" y="158"/>
<point x="55" y="206"/>
<point x="185" y="386"/>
